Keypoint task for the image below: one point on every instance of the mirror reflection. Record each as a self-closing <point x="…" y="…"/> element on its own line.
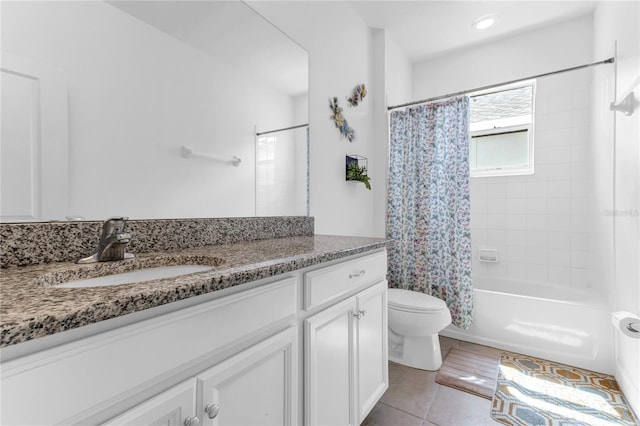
<point x="143" y="109"/>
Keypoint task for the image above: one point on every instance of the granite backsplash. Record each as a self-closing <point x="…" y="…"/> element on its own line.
<point x="34" y="243"/>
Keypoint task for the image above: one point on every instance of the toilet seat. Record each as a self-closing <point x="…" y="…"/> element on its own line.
<point x="413" y="301"/>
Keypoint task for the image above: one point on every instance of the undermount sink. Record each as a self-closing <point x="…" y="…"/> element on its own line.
<point x="137" y="270"/>
<point x="137" y="276"/>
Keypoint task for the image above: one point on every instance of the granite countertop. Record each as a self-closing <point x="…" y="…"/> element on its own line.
<point x="32" y="307"/>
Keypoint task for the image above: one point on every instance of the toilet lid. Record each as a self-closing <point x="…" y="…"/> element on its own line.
<point x="414" y="301"/>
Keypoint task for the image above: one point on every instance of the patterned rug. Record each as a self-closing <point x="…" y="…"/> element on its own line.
<point x="469" y="371"/>
<point x="532" y="391"/>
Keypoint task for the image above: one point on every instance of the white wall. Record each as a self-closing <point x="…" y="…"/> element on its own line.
<point x="539" y="223"/>
<point x="135" y="96"/>
<point x="616" y="161"/>
<point x="339" y="46"/>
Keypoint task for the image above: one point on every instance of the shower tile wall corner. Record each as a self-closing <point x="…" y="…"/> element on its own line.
<point x="541" y="224"/>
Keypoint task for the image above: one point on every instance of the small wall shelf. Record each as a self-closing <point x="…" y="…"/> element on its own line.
<point x="357" y="168"/>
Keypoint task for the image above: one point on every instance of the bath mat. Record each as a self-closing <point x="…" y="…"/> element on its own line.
<point x="532" y="391"/>
<point x="468" y="371"/>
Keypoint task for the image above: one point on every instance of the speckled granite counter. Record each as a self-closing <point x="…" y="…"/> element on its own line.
<point x="30" y="307"/>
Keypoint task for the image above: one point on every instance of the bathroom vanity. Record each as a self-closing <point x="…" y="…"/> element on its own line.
<point x="276" y="332"/>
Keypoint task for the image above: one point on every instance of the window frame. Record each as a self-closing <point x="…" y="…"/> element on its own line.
<point x="519" y="170"/>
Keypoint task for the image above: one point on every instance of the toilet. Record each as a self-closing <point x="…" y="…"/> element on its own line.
<point x="414" y="322"/>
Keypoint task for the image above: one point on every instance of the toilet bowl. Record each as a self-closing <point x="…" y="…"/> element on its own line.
<point x="414" y="322"/>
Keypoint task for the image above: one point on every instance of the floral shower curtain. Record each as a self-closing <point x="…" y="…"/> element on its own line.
<point x="428" y="214"/>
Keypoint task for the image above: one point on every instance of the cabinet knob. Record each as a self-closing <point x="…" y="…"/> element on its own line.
<point x="212" y="410"/>
<point x="360" y="314"/>
<point x="358" y="275"/>
<point x="192" y="421"/>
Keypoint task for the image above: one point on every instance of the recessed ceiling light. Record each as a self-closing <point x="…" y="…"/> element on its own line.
<point x="485" y="21"/>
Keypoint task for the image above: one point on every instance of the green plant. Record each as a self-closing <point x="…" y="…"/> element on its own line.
<point x="357" y="173"/>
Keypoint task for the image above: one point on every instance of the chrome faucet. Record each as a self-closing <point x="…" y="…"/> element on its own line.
<point x="112" y="242"/>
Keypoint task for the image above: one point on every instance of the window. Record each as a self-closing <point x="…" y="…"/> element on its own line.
<point x="501" y="130"/>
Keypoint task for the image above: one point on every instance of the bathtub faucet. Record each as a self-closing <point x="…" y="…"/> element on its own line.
<point x="112" y="243"/>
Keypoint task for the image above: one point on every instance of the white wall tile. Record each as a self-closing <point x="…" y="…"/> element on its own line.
<point x="516" y="205"/>
<point x="516" y="222"/>
<point x="479" y="205"/>
<point x="536" y="273"/>
<point x="536" y="239"/>
<point x="560" y="240"/>
<point x="580" y="241"/>
<point x="581" y="277"/>
<point x="580" y="117"/>
<point x="580" y="206"/>
<point x="496" y="190"/>
<point x="580" y="99"/>
<point x="559" y="275"/>
<point x="536" y="190"/>
<point x="516" y="254"/>
<point x="497" y="238"/>
<point x="559" y="189"/>
<point x="559" y="257"/>
<point x="497" y="205"/>
<point x="536" y="206"/>
<point x="558" y="172"/>
<point x="496" y="221"/>
<point x="580" y="259"/>
<point x="580" y="153"/>
<point x="541" y="223"/>
<point x="478" y="236"/>
<point x="536" y="222"/>
<point x="497" y="269"/>
<point x="559" y="154"/>
<point x="517" y="270"/>
<point x="559" y="206"/>
<point x="581" y="223"/>
<point x="580" y="136"/>
<point x="559" y="223"/>
<point x="516" y="237"/>
<point x="516" y="189"/>
<point x="553" y="121"/>
<point x="536" y="255"/>
<point x="579" y="172"/>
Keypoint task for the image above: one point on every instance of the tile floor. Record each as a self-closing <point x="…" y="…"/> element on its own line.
<point x="415" y="399"/>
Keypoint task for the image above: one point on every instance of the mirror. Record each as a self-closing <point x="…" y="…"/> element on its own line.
<point x="148" y="110"/>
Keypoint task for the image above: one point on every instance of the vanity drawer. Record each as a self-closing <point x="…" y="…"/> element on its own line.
<point x="328" y="283"/>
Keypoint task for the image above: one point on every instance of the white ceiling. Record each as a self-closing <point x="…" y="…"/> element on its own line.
<point x="428" y="28"/>
<point x="229" y="31"/>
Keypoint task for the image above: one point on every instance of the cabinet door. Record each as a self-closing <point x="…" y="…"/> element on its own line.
<point x="329" y="366"/>
<point x="172" y="407"/>
<point x="255" y="387"/>
<point x="373" y="377"/>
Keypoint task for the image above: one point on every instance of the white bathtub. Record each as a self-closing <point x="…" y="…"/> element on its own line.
<point x="555" y="323"/>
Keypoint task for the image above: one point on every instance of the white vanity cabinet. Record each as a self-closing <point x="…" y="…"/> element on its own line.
<point x="135" y="367"/>
<point x="345" y="352"/>
<point x="255" y="387"/>
<point x="224" y="358"/>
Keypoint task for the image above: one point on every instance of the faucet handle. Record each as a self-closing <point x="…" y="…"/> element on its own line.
<point x="114" y="225"/>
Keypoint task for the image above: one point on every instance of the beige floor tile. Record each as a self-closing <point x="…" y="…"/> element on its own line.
<point x="383" y="415"/>
<point x="410" y="390"/>
<point x="452" y="407"/>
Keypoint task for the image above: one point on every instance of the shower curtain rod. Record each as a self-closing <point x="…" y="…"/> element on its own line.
<point x="492" y="86"/>
<point x="281" y="130"/>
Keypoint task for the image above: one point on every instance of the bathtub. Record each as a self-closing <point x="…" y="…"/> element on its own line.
<point x="560" y="324"/>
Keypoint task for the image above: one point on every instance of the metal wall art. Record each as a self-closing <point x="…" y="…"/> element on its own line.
<point x="340" y="121"/>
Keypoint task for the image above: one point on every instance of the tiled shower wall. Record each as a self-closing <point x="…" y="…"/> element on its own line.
<point x="541" y="223"/>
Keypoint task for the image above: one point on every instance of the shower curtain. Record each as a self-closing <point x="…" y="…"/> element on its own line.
<point x="428" y="214"/>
